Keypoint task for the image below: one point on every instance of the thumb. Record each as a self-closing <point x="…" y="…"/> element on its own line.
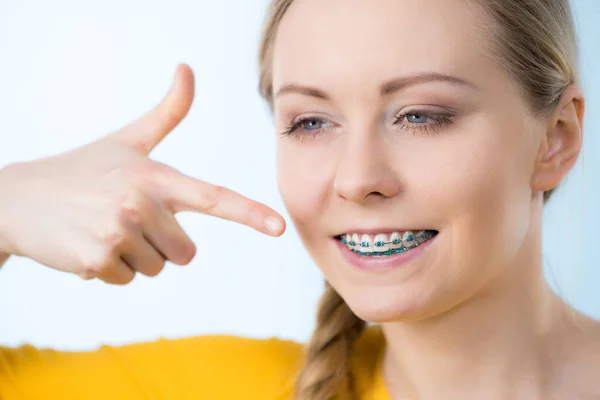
<point x="148" y="131"/>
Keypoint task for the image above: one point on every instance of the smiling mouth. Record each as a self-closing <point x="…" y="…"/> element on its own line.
<point x="382" y="245"/>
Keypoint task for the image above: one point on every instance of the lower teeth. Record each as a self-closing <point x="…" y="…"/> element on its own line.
<point x="384" y="253"/>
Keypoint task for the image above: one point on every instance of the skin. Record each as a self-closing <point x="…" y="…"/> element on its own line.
<point x="112" y="216"/>
<point x="472" y="317"/>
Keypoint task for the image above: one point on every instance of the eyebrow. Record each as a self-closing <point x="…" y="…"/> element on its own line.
<point x="386" y="89"/>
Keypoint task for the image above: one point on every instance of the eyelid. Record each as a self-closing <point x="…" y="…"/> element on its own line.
<point x="317" y="116"/>
<point x="426" y="109"/>
<point x="436" y="116"/>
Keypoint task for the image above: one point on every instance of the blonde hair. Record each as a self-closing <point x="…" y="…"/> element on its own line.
<point x="536" y="43"/>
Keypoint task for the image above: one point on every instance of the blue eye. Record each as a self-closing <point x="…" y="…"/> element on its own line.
<point x="416" y="118"/>
<point x="312" y="124"/>
<point x="422" y="121"/>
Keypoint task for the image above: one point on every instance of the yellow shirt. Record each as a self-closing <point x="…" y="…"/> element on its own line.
<point x="204" y="367"/>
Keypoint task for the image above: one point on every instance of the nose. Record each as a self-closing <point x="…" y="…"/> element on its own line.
<point x="364" y="171"/>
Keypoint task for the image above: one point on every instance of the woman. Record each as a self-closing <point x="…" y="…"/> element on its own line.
<point x="417" y="148"/>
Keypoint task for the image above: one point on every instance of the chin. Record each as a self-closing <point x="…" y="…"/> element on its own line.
<point x="380" y="305"/>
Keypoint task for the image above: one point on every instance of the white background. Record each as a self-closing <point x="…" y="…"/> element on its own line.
<point x="72" y="71"/>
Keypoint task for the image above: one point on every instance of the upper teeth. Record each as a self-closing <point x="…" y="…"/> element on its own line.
<point x="382" y="242"/>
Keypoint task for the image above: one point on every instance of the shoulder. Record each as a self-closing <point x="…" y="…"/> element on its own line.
<point x="217" y="366"/>
<point x="579" y="358"/>
<point x="267" y="356"/>
<point x="211" y="366"/>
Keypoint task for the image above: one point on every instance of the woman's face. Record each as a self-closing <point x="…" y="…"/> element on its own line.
<point x="407" y="123"/>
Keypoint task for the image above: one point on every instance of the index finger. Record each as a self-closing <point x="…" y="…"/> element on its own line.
<point x="184" y="193"/>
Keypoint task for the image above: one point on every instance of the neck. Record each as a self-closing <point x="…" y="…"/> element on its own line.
<point x="493" y="346"/>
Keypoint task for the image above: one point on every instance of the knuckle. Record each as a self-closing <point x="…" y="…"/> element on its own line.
<point x="125" y="219"/>
<point x="115" y="237"/>
<point x="210" y="197"/>
<point x="138" y="146"/>
<point x="128" y="216"/>
<point x="173" y="114"/>
<point x="96" y="266"/>
<point x="86" y="276"/>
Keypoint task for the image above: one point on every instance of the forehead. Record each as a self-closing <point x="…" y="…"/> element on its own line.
<point x="340" y="44"/>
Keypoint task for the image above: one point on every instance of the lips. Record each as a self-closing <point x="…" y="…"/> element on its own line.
<point x="385" y="255"/>
<point x="383" y="231"/>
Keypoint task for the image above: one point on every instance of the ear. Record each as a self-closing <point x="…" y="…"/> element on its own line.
<point x="561" y="145"/>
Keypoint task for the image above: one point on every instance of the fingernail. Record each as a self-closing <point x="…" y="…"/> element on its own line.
<point x="273" y="224"/>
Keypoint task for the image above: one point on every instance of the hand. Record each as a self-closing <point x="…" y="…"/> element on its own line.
<point x="105" y="210"/>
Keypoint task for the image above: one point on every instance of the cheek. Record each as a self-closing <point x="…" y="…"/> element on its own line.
<point x="478" y="168"/>
<point x="304" y="177"/>
<point x="481" y="182"/>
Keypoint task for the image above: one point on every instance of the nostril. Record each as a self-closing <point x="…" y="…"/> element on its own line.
<point x="375" y="194"/>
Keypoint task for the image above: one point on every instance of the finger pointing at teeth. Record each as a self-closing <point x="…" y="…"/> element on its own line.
<point x="111" y="211"/>
<point x="184" y="193"/>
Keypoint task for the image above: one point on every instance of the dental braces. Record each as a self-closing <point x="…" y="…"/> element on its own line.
<point x="381" y="243"/>
<point x="384" y="253"/>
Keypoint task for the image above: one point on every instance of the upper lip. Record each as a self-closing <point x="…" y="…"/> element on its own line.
<point x="375" y="231"/>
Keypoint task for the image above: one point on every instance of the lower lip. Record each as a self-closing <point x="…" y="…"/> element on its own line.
<point x="383" y="262"/>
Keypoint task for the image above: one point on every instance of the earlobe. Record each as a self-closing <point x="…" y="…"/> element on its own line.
<point x="560" y="147"/>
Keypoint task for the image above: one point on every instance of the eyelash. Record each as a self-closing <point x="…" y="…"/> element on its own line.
<point x="440" y="121"/>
